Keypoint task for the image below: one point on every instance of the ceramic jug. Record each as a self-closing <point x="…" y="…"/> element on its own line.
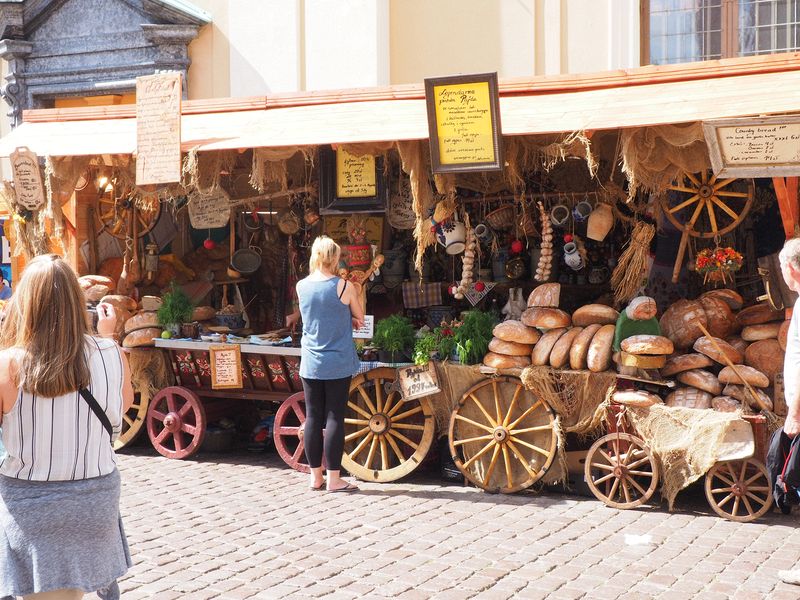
<point x="572" y="257"/>
<point x="451" y="234"/>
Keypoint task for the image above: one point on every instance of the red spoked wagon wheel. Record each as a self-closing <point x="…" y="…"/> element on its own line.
<point x="739" y="490"/>
<point x="497" y="417"/>
<point x="290" y="421"/>
<point x="176" y="422"/>
<point x="385" y="437"/>
<point x="621" y="471"/>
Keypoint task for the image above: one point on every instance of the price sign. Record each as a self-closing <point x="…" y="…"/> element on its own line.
<point x="418" y="381"/>
<point x="28" y="184"/>
<point x="355" y="175"/>
<point x="367" y="331"/>
<point x="226" y="366"/>
<point x="209" y="210"/>
<point x="464" y="123"/>
<point x="158" y="129"/>
<point x="764" y="147"/>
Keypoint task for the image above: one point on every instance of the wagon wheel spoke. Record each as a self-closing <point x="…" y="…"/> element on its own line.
<point x="533" y="447"/>
<point x="747" y="505"/>
<point x="530" y="409"/>
<point x="631" y="452"/>
<point x="190" y="429"/>
<point x="727" y="209"/>
<point x="185" y="409"/>
<point x="475" y="423"/>
<point x="403" y="438"/>
<point x="480" y="453"/>
<point x="483" y="410"/>
<point x="512" y="405"/>
<point x="614" y="487"/>
<point x="356" y="421"/>
<point x="367" y="399"/>
<point x="289" y="430"/>
<point x="162" y="436"/>
<point x="640" y="473"/>
<point x="384" y="454"/>
<point x="490" y="469"/>
<point x="408" y="426"/>
<point x="721" y="490"/>
<point x="735" y="511"/>
<point x="530" y="429"/>
<point x="356" y="434"/>
<point x="395" y="448"/>
<point x="692" y="178"/>
<point x="604" y="454"/>
<point x="301" y="415"/>
<point x="683" y="188"/>
<point x="684" y="204"/>
<point x="298" y="452"/>
<point x="730" y="470"/>
<point x="712" y="217"/>
<point x="507" y="461"/>
<point x="359" y="410"/>
<point x="371" y="454"/>
<point x="388" y="403"/>
<point x="752" y="479"/>
<point x="479" y="438"/>
<point x="743" y="470"/>
<point x="721" y="184"/>
<point x="733" y="194"/>
<point x="759" y="489"/>
<point x="408" y="413"/>
<point x="604" y="478"/>
<point x="751" y="495"/>
<point x="379" y="394"/>
<point x="171" y="406"/>
<point x="625" y="490"/>
<point x="712" y="180"/>
<point x="639" y="488"/>
<point x="178" y="437"/>
<point x="128" y="420"/>
<point x="704" y="176"/>
<point x="720" y="475"/>
<point x="602" y="466"/>
<point x="521" y="459"/>
<point x="727" y="499"/>
<point x="496" y="401"/>
<point x="361" y="445"/>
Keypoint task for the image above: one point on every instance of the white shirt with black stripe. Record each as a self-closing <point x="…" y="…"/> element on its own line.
<point x="61" y="439"/>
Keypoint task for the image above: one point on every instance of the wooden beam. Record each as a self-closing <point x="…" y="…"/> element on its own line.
<point x="786" y="192"/>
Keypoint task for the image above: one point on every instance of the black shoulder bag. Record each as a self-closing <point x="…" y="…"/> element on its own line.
<point x="95" y="406"/>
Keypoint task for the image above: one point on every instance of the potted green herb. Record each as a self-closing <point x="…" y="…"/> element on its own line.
<point x="472" y="337"/>
<point x="439" y="343"/>
<point x="394" y="336"/>
<point x="176" y="308"/>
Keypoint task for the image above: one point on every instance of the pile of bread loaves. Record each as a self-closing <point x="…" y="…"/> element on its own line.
<point x="753" y="339"/>
<point x="546" y="335"/>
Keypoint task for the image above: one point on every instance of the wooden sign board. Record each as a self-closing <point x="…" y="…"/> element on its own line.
<point x="367" y="330"/>
<point x="226" y="366"/>
<point x="158" y="129"/>
<point x="207" y="211"/>
<point x="335" y="227"/>
<point x="464" y="123"/>
<point x="28" y="184"/>
<point x="355" y="175"/>
<point x="418" y="381"/>
<point x="766" y="147"/>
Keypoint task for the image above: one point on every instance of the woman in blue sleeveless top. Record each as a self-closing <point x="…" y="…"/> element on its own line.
<point x="330" y="308"/>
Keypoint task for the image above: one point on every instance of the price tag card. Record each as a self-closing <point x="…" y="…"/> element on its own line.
<point x="226" y="366"/>
<point x="366" y="332"/>
<point x="418" y="380"/>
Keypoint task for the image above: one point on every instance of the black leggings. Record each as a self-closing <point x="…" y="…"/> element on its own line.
<point x="325" y="405"/>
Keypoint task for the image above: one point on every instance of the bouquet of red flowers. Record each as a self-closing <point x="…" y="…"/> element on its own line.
<point x="718" y="263"/>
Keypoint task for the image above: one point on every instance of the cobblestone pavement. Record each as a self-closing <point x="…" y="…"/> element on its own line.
<point x="245" y="526"/>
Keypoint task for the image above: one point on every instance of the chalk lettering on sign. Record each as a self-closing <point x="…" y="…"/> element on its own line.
<point x="28" y="184"/>
<point x="355" y="175"/>
<point x="209" y="210"/>
<point x="158" y="129"/>
<point x="760" y="144"/>
<point x="418" y="381"/>
<point x="464" y="123"/>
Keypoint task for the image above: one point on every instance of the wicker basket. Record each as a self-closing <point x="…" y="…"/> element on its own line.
<point x="502" y="218"/>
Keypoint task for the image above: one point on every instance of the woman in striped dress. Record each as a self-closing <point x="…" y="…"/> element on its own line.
<point x="60" y="529"/>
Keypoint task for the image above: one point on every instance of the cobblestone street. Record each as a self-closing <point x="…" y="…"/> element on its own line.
<point x="243" y="525"/>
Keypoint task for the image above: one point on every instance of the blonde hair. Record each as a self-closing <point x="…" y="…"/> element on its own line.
<point x="790" y="253"/>
<point x="46" y="319"/>
<point x="324" y="253"/>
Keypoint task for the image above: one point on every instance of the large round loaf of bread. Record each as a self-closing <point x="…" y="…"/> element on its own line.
<point x="546" y="295"/>
<point x="752" y="376"/>
<point x="685" y="362"/>
<point x="510" y="348"/>
<point x="559" y="355"/>
<point x="731" y="298"/>
<point x="546" y="318"/>
<point x="87" y="281"/>
<point x="763" y="331"/>
<point x="141" y="337"/>
<point x="689" y="398"/>
<point x="783" y="334"/>
<point x="743" y="395"/>
<point x="516" y="331"/>
<point x="541" y="351"/>
<point x="766" y="356"/>
<point x="594" y="313"/>
<point x="635" y="398"/>
<point x="702" y="380"/>
<point x="737" y="342"/>
<point x="599" y="355"/>
<point x="580" y="347"/>
<point x="759" y="313"/>
<point x="680" y="322"/>
<point x="501" y="361"/>
<point x="720" y="317"/>
<point x="718" y="352"/>
<point x="204" y="313"/>
<point x="120" y="302"/>
<point x="725" y="404"/>
<point x="647" y="344"/>
<point x="141" y="320"/>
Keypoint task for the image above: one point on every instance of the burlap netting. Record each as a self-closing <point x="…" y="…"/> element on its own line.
<point x="269" y="167"/>
<point x="653" y="157"/>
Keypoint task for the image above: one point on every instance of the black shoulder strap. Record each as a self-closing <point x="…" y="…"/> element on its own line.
<point x="95" y="406"/>
<point x="344" y="287"/>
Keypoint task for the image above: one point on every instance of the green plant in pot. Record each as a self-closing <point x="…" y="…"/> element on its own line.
<point x="395" y="337"/>
<point x="176" y="308"/>
<point x="473" y="335"/>
<point x="440" y="342"/>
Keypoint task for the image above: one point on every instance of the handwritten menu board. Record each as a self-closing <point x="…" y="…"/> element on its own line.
<point x="158" y="129"/>
<point x="754" y="147"/>
<point x="418" y="381"/>
<point x="209" y="210"/>
<point x="335" y="227"/>
<point x="27" y="177"/>
<point x="355" y="175"/>
<point x="367" y="330"/>
<point x="463" y="120"/>
<point x="226" y="366"/>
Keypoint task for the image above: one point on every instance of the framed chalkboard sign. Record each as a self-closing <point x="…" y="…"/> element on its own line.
<point x="464" y="123"/>
<point x="349" y="183"/>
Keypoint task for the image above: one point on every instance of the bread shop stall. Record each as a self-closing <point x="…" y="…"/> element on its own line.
<point x="539" y="253"/>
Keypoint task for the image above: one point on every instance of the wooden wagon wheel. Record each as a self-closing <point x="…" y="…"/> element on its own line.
<point x="739" y="490"/>
<point x="621" y="471"/>
<point x="290" y="421"/>
<point x="499" y="416"/>
<point x="176" y="422"/>
<point x="132" y="422"/>
<point x="385" y="437"/>
<point x="115" y="215"/>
